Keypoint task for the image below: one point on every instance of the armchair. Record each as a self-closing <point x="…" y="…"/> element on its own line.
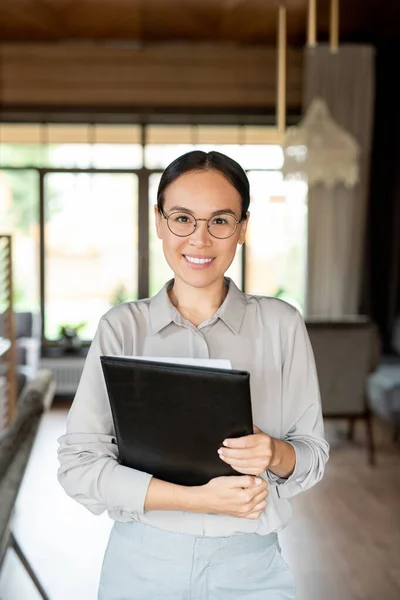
<point x="346" y="351"/>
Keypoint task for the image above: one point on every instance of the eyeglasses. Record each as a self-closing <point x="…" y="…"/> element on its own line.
<point x="184" y="224"/>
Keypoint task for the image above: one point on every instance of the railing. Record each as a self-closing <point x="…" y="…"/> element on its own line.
<point x="8" y="383"/>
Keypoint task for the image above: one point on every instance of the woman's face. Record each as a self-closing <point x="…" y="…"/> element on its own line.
<point x="200" y="194"/>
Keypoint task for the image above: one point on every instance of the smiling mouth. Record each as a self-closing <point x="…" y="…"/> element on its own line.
<point x="198" y="261"/>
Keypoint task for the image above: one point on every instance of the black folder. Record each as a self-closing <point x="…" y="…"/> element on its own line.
<point x="170" y="419"/>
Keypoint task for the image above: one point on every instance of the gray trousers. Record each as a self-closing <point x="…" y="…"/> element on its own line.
<point x="146" y="563"/>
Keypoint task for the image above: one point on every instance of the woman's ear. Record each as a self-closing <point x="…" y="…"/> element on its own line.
<point x="158" y="219"/>
<point x="243" y="228"/>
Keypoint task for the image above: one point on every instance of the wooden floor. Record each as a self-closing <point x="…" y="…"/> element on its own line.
<point x="343" y="542"/>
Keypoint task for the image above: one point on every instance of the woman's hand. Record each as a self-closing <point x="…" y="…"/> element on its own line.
<point x="236" y="496"/>
<point x="243" y="497"/>
<point x="251" y="454"/>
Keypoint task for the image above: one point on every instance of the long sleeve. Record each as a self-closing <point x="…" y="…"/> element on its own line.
<point x="302" y="422"/>
<point x="88" y="454"/>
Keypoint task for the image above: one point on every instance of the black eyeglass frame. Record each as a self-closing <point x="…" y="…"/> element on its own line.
<point x="177" y="212"/>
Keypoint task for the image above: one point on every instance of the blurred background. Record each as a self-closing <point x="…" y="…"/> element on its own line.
<point x="96" y="99"/>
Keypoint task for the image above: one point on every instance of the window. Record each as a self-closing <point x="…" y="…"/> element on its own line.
<point x="97" y="217"/>
<point x="91" y="241"/>
<point x="19" y="216"/>
<point x="276" y="244"/>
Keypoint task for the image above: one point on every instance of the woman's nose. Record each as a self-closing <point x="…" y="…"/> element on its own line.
<point x="201" y="236"/>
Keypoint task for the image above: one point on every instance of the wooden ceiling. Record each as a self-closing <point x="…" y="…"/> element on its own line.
<point x="226" y="21"/>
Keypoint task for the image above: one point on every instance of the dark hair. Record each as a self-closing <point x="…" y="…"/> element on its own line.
<point x="197" y="160"/>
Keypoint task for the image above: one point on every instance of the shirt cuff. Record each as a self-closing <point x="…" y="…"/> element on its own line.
<point x="286" y="488"/>
<point x="126" y="489"/>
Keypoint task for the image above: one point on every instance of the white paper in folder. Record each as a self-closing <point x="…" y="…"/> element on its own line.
<point x="216" y="363"/>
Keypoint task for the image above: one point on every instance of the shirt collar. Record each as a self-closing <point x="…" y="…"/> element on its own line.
<point x="231" y="312"/>
<point x="162" y="311"/>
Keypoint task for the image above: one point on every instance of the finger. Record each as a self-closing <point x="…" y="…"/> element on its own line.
<point x="245" y="462"/>
<point x="242" y="453"/>
<point x="257" y="511"/>
<point x="260" y="506"/>
<point x="254" y="466"/>
<point x="247" y="441"/>
<point x="261" y="495"/>
<point x="253" y="516"/>
<point x="247" y="481"/>
<point x="257" y="498"/>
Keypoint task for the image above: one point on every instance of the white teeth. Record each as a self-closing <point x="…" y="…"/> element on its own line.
<point x="198" y="261"/>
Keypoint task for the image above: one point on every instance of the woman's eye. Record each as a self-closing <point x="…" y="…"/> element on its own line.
<point x="220" y="221"/>
<point x="182" y="219"/>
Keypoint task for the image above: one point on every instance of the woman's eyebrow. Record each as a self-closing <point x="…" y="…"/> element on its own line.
<point x="223" y="211"/>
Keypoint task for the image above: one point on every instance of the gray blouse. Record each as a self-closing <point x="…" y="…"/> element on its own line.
<point x="262" y="335"/>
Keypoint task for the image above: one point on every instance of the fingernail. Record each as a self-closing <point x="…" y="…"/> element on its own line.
<point x="259" y="481"/>
<point x="220" y="452"/>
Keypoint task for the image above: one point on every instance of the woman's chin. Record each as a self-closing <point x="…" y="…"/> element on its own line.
<point x="198" y="278"/>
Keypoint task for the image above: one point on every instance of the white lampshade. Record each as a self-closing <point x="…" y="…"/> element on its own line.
<point x="320" y="151"/>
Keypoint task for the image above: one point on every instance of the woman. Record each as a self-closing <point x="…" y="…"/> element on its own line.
<point x="216" y="541"/>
